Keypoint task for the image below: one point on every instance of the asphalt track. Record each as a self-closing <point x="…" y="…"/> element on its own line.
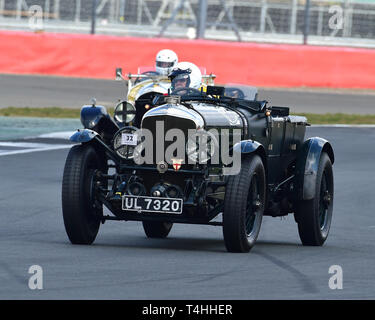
<point x="192" y="262"/>
<point x="39" y="91"/>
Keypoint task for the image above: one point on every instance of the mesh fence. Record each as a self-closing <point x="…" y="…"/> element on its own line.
<point x="231" y="19"/>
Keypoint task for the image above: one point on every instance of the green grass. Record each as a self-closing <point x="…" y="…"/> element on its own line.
<point x="55" y="112"/>
<point x="52" y="112"/>
<point x="339" y="118"/>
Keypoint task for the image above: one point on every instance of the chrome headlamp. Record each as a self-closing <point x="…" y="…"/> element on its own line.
<point x="124" y="112"/>
<point x="125" y="141"/>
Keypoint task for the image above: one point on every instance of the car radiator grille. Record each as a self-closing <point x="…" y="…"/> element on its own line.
<point x="170" y="122"/>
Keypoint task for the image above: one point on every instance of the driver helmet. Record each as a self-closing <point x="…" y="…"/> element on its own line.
<point x="180" y="78"/>
<point x="186" y="74"/>
<point x="166" y="60"/>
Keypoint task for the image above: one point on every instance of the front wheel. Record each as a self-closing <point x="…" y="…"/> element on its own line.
<point x="81" y="214"/>
<point x="314" y="216"/>
<point x="156" y="229"/>
<point x="244" y="204"/>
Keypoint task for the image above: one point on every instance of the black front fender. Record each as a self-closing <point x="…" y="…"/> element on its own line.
<point x="83" y="135"/>
<point x="307" y="166"/>
<point x="249" y="146"/>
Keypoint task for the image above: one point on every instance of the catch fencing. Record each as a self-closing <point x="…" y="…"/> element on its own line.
<point x="282" y="21"/>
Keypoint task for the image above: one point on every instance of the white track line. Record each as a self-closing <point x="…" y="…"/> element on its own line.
<point x="38" y="147"/>
<point x="24" y="144"/>
<point x="31" y="150"/>
<point x="58" y="135"/>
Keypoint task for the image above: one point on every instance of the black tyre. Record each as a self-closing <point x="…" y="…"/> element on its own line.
<point x="314" y="216"/>
<point x="81" y="218"/>
<point x="156" y="229"/>
<point x="244" y="205"/>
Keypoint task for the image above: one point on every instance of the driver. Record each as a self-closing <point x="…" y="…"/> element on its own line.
<point x="166" y="60"/>
<point x="185" y="75"/>
<point x="179" y="79"/>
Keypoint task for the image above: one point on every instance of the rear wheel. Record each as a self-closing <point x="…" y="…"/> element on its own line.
<point x="156" y="229"/>
<point x="244" y="205"/>
<point x="314" y="216"/>
<point x="81" y="214"/>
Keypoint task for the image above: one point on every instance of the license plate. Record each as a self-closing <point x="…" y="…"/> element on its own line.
<point x="152" y="204"/>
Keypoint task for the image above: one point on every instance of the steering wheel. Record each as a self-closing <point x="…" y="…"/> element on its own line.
<point x="186" y="91"/>
<point x="147" y="73"/>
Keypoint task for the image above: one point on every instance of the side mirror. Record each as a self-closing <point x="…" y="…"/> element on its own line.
<point x="119" y="76"/>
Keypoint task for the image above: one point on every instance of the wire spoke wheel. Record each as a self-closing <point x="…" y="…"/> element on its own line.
<point x="253" y="205"/>
<point x="314" y="216"/>
<point x="81" y="211"/>
<point x="325" y="200"/>
<point x="244" y="205"/>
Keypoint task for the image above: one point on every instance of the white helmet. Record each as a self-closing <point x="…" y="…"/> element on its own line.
<point x="195" y="75"/>
<point x="166" y="60"/>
